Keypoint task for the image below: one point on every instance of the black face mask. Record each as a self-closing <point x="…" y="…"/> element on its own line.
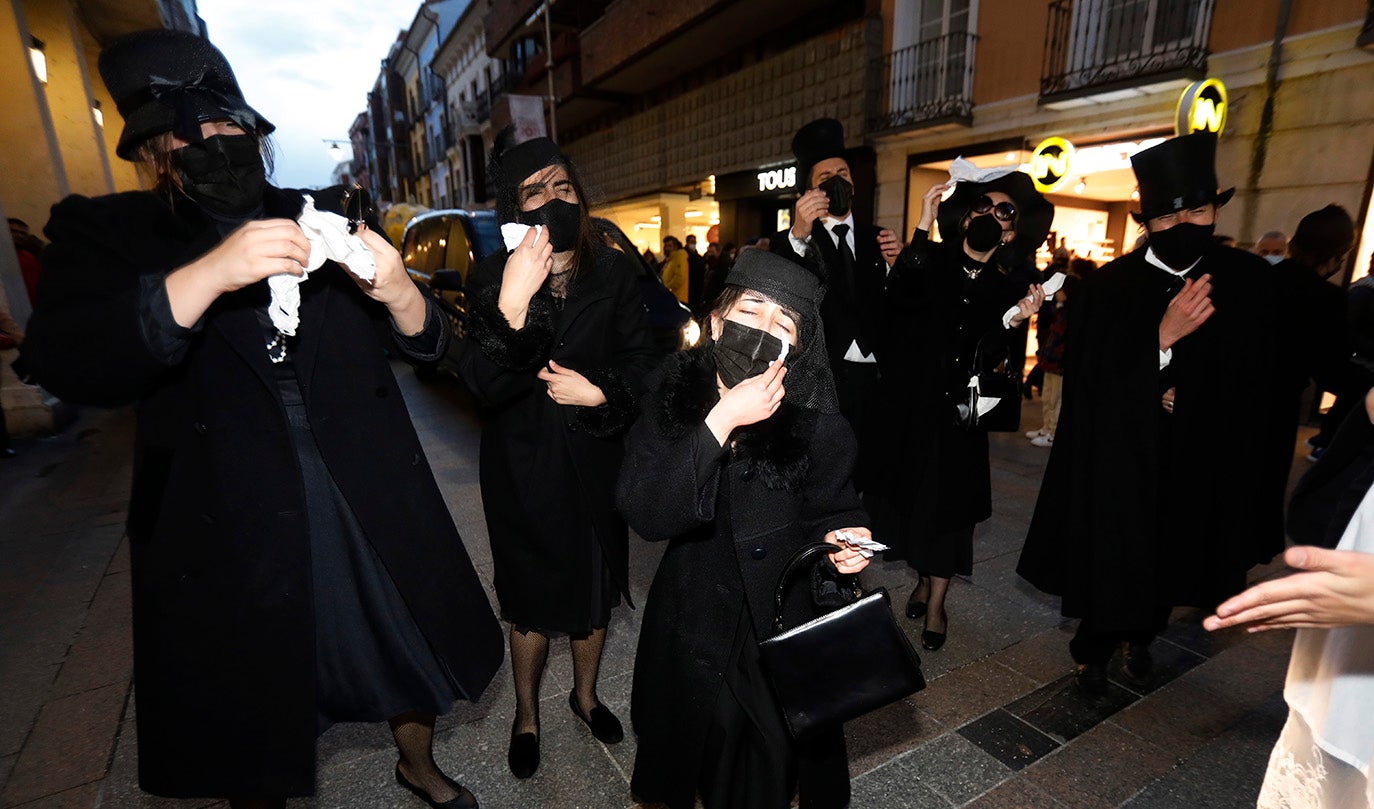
<point x="743" y="351"/>
<point x="224" y="174"/>
<point x="983" y="233"/>
<point x="840" y="192"/>
<point x="1182" y="244"/>
<point x="563" y="221"/>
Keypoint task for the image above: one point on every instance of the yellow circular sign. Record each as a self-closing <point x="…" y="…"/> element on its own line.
<point x="1050" y="164"/>
<point x="1201" y="108"/>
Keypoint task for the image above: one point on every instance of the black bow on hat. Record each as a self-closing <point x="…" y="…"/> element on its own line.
<point x="171" y="81"/>
<point x="1178" y="175"/>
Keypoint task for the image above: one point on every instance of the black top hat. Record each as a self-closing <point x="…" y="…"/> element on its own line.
<point x="1177" y="175"/>
<point x="170" y="81"/>
<point x="1034" y="213"/>
<point x="819" y="140"/>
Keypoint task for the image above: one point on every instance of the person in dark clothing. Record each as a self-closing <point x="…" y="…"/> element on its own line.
<point x="944" y="300"/>
<point x="1314" y="341"/>
<point x="558" y="352"/>
<point x="696" y="274"/>
<point x="855" y="258"/>
<point x="1136" y="481"/>
<point x="293" y="561"/>
<point x="738" y="460"/>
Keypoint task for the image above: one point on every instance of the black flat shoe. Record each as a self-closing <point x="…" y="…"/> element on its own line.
<point x="464" y="799"/>
<point x="932" y="641"/>
<point x="915" y="609"/>
<point x="523" y="756"/>
<point x="602" y="723"/>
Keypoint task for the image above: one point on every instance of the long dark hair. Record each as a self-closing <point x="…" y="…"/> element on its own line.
<point x="508" y="208"/>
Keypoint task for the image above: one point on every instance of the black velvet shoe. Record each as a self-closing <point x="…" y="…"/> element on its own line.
<point x="932" y="641"/>
<point x="523" y="756"/>
<point x="464" y="800"/>
<point x="1091" y="679"/>
<point x="915" y="609"/>
<point x="1137" y="665"/>
<point x="602" y="723"/>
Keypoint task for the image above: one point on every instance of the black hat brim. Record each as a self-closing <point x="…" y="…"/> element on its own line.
<point x="1034" y="213"/>
<point x="1218" y="199"/>
<point x="152" y="118"/>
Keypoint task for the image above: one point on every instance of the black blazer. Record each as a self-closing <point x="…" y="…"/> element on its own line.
<point x="852" y="307"/>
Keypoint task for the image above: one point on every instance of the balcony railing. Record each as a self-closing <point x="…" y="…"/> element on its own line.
<point x="926" y="84"/>
<point x="1095" y="47"/>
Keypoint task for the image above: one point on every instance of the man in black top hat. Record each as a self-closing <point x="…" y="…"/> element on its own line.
<point x="1151" y="496"/>
<point x="853" y="260"/>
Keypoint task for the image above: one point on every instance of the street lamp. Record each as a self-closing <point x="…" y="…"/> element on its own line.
<point x="40" y="61"/>
<point x="336" y="149"/>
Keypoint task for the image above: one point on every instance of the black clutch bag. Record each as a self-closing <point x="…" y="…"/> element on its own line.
<point x="997" y="378"/>
<point x="841" y="665"/>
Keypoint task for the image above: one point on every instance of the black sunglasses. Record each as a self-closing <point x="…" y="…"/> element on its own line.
<point x="357" y="207"/>
<point x="1003" y="211"/>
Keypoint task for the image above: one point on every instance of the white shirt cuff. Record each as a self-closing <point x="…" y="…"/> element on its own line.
<point x="1166" y="356"/>
<point x="799" y="245"/>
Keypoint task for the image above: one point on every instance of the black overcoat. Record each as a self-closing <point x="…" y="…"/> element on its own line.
<point x="731" y="527"/>
<point x="548" y="470"/>
<point x="936" y="478"/>
<point x="222" y="598"/>
<point x="1140" y="509"/>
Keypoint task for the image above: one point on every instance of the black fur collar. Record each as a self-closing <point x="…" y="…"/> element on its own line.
<point x="778" y="448"/>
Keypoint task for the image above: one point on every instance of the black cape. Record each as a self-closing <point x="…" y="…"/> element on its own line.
<point x="1138" y="508"/>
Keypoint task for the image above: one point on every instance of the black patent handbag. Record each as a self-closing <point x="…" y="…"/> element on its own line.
<point x="999" y="379"/>
<point x="841" y="665"/>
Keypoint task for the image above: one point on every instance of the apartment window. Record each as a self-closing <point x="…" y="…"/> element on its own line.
<point x="1109" y="31"/>
<point x="929" y="74"/>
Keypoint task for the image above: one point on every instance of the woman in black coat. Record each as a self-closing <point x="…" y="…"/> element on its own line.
<point x="736" y="472"/>
<point x="944" y="298"/>
<point x="559" y="348"/>
<point x="293" y="562"/>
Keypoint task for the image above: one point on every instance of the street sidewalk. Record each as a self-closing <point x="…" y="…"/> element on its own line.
<point x="999" y="726"/>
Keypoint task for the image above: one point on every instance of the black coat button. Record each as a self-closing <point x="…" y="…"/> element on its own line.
<point x="748" y="473"/>
<point x="200" y="427"/>
<point x="415" y="459"/>
<point x="381" y="393"/>
<point x="759" y="553"/>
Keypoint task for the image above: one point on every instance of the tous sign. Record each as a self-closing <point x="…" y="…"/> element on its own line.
<point x="777" y="179"/>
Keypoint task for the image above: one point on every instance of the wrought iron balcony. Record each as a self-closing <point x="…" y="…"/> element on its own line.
<point x="1097" y="48"/>
<point x="925" y="85"/>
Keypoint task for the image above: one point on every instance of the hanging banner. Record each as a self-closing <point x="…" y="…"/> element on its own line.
<point x="527" y="113"/>
<point x="1201" y="108"/>
<point x="1051" y="163"/>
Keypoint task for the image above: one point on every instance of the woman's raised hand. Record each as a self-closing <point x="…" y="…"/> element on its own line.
<point x="392" y="285"/>
<point x="749" y="402"/>
<point x="527" y="267"/>
<point x="930" y="205"/>
<point x="1028" y="305"/>
<point x="256" y="250"/>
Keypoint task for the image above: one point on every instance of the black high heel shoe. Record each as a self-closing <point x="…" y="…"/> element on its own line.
<point x="602" y="723"/>
<point x="932" y="641"/>
<point x="523" y="756"/>
<point x="464" y="799"/>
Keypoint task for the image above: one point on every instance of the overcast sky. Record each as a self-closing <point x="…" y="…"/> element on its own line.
<point x="307" y="67"/>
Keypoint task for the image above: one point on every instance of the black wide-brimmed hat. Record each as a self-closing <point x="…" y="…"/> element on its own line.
<point x="170" y="81"/>
<point x="1034" y="213"/>
<point x="819" y="140"/>
<point x="1177" y="175"/>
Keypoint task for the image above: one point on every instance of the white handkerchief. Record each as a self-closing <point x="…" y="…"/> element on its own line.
<point x="1051" y="286"/>
<point x="961" y="170"/>
<point x="513" y="233"/>
<point x="329" y="239"/>
<point x="985" y="403"/>
<point x="866" y="546"/>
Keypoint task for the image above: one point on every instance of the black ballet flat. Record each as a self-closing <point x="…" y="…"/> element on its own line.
<point x="523" y="756"/>
<point x="932" y="641"/>
<point x="602" y="723"/>
<point x="464" y="799"/>
<point x="915" y="609"/>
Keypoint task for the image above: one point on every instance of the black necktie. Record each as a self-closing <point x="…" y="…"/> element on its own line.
<point x="847" y="268"/>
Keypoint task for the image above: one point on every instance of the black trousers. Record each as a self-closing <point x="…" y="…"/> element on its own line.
<point x="857" y="388"/>
<point x="1092" y="645"/>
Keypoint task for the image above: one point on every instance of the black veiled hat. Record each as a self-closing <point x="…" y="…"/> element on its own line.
<point x="170" y="81"/>
<point x="512" y="162"/>
<point x="1034" y="213"/>
<point x="1177" y="175"/>
<point x="819" y="140"/>
<point x="809" y="381"/>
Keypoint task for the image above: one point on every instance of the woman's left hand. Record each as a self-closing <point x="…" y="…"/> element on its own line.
<point x="1028" y="305"/>
<point x="568" y="387"/>
<point x="392" y="285"/>
<point x="1335" y="588"/>
<point x="848" y="561"/>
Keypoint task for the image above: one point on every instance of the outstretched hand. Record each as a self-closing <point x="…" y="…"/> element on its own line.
<point x="1336" y="588"/>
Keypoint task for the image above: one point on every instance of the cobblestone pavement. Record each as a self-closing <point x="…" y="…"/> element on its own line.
<point x="1000" y="724"/>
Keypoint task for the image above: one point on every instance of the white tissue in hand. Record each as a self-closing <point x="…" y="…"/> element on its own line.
<point x="513" y="233"/>
<point x="985" y="403"/>
<point x="1051" y="286"/>
<point x="329" y="240"/>
<point x="962" y="171"/>
<point x="866" y="546"/>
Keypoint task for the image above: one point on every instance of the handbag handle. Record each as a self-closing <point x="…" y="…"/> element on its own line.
<point x="801" y="557"/>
